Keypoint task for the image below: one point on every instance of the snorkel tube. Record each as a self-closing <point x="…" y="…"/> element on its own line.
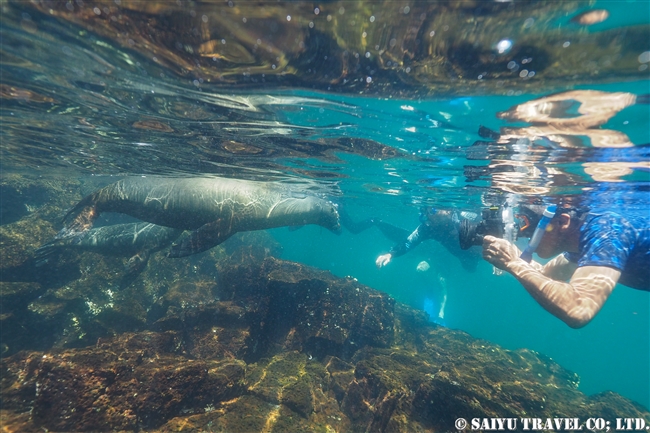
<point x="426" y="212"/>
<point x="548" y="214"/>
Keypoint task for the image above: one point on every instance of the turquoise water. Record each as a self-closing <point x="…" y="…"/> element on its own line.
<point x="611" y="353"/>
<point x="86" y="130"/>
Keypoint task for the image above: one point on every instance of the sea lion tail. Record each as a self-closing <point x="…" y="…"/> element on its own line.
<point x="45" y="252"/>
<point x="80" y="218"/>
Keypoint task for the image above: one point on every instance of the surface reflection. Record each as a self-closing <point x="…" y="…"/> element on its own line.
<point x="529" y="160"/>
<point x="424" y="47"/>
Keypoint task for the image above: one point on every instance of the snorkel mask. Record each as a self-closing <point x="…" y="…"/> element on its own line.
<point x="537" y="236"/>
<point x="426" y="212"/>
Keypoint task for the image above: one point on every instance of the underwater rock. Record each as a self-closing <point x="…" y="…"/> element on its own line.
<point x="219" y="330"/>
<point x="301" y="308"/>
<point x="30" y="210"/>
<point x="283" y="379"/>
<point x="14" y="297"/>
<point x="266" y="307"/>
<point x="82" y="297"/>
<point x="275" y="352"/>
<point x="46" y="198"/>
<point x="18" y="241"/>
<point x="245" y="414"/>
<point x="133" y="380"/>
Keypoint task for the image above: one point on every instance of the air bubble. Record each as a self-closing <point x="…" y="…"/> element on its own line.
<point x="503" y="46"/>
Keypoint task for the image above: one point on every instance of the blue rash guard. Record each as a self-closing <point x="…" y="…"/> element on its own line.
<point x="612" y="240"/>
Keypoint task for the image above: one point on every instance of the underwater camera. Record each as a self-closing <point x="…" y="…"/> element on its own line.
<point x="471" y="233"/>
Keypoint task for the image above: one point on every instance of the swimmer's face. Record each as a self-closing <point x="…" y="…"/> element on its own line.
<point x="552" y="242"/>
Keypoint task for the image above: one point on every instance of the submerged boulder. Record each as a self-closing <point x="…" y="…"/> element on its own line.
<point x="285" y="347"/>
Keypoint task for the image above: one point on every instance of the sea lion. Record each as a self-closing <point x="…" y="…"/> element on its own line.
<point x="214" y="208"/>
<point x="134" y="240"/>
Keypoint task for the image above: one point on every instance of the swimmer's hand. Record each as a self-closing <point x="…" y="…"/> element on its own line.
<point x="499" y="252"/>
<point x="383" y="260"/>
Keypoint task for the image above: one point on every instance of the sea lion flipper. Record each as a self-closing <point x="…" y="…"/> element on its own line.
<point x="205" y="237"/>
<point x="79" y="219"/>
<point x="48" y="250"/>
<point x="44" y="253"/>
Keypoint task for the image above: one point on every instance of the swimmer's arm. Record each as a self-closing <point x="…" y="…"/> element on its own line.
<point x="414" y="239"/>
<point x="575" y="302"/>
<point x="560" y="268"/>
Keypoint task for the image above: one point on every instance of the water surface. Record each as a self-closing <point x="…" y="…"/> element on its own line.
<point x="376" y="106"/>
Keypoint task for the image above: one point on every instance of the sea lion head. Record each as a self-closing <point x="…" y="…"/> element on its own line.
<point x="329" y="216"/>
<point x="302" y="209"/>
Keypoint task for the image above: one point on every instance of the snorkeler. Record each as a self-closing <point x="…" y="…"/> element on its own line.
<point x="440" y="225"/>
<point x="598" y="250"/>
